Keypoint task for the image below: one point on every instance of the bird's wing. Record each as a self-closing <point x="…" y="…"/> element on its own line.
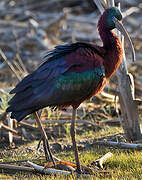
<point x="69" y="73"/>
<point x="76" y="56"/>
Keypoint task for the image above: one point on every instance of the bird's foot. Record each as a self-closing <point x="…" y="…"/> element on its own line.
<point x="84" y="170"/>
<point x="48" y="155"/>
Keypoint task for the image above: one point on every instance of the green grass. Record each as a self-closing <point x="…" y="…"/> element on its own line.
<point x="125" y="164"/>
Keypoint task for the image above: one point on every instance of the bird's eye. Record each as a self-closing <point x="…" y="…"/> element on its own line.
<point x="113" y="17"/>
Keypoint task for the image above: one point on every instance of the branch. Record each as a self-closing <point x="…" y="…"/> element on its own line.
<point x="110" y="97"/>
<point x="99" y="5"/>
<point x="28" y="126"/>
<point x="9" y="64"/>
<point x="120" y="145"/>
<point x="130" y="11"/>
<point x="64" y="121"/>
<point x="110" y="3"/>
<point x="47" y="170"/>
<point x="3" y="126"/>
<point x="10" y="124"/>
<point x="15" y="168"/>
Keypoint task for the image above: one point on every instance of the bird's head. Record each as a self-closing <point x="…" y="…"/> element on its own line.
<point x="111" y="19"/>
<point x="113" y="13"/>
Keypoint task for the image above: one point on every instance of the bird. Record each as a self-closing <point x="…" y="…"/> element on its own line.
<point x="72" y="73"/>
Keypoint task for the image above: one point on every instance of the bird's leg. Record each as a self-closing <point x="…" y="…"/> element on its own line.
<point x="47" y="156"/>
<point x="72" y="132"/>
<point x="47" y="150"/>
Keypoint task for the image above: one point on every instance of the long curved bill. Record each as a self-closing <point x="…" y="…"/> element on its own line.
<point x="121" y="28"/>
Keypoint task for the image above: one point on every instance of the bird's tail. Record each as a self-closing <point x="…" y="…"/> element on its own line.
<point x="19" y="115"/>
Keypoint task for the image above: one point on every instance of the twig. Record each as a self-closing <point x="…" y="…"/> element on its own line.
<point x="14" y="23"/>
<point x="104" y="3"/>
<point x="7" y="128"/>
<point x="63" y="122"/>
<point x="21" y="62"/>
<point x="47" y="170"/>
<point x="130" y="11"/>
<point x="99" y="5"/>
<point x="63" y="164"/>
<point x="15" y="168"/>
<point x="10" y="124"/>
<point x="111" y="97"/>
<point x="110" y="3"/>
<point x="18" y="67"/>
<point x="5" y="90"/>
<point x="115" y="122"/>
<point x="120" y="145"/>
<point x="28" y="126"/>
<point x="9" y="64"/>
<point x="99" y="162"/>
<point x="18" y="54"/>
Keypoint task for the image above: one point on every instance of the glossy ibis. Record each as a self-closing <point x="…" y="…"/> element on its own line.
<point x="71" y="74"/>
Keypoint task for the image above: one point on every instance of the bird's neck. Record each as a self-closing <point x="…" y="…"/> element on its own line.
<point x="109" y="38"/>
<point x="113" y="48"/>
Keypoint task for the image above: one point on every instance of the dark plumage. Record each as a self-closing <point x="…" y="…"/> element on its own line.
<point x="69" y="75"/>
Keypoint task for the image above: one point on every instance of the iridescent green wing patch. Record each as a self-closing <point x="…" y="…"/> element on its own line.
<point x="72" y="81"/>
